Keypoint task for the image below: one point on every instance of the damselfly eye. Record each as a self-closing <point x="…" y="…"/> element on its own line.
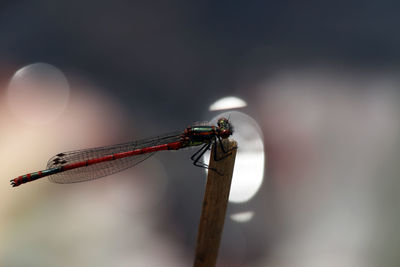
<point x="223" y="123"/>
<point x="225" y="128"/>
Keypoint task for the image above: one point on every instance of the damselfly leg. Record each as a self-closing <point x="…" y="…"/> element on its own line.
<point x="198" y="154"/>
<point x="225" y="152"/>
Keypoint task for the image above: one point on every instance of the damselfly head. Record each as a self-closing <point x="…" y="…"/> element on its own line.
<point x="225" y="127"/>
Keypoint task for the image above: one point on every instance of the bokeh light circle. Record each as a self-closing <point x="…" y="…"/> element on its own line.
<point x="248" y="173"/>
<point x="38" y="93"/>
<point x="229" y="102"/>
<point x="243" y="216"/>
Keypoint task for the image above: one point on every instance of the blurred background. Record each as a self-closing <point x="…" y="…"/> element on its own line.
<point x="312" y="90"/>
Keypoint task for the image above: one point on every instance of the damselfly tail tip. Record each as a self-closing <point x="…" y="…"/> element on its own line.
<point x="13" y="183"/>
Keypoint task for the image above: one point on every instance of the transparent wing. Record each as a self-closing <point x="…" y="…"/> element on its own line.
<point x="102" y="169"/>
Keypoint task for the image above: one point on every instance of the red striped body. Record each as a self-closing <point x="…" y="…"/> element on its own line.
<point x="93" y="163"/>
<point x="171" y="146"/>
<point x="34" y="176"/>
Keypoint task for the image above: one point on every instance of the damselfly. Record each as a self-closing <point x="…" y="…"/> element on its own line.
<point x="93" y="163"/>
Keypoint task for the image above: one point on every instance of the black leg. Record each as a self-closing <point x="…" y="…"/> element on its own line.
<point x="225" y="152"/>
<point x="215" y="149"/>
<point x="196" y="158"/>
<point x="199" y="153"/>
<point x="199" y="150"/>
<point x="222" y="145"/>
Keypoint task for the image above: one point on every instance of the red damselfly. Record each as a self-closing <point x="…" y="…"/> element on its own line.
<point x="88" y="164"/>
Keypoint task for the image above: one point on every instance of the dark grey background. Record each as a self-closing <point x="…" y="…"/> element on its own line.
<point x="178" y="55"/>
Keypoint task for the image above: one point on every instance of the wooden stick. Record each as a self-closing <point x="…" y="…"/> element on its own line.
<point x="214" y="205"/>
